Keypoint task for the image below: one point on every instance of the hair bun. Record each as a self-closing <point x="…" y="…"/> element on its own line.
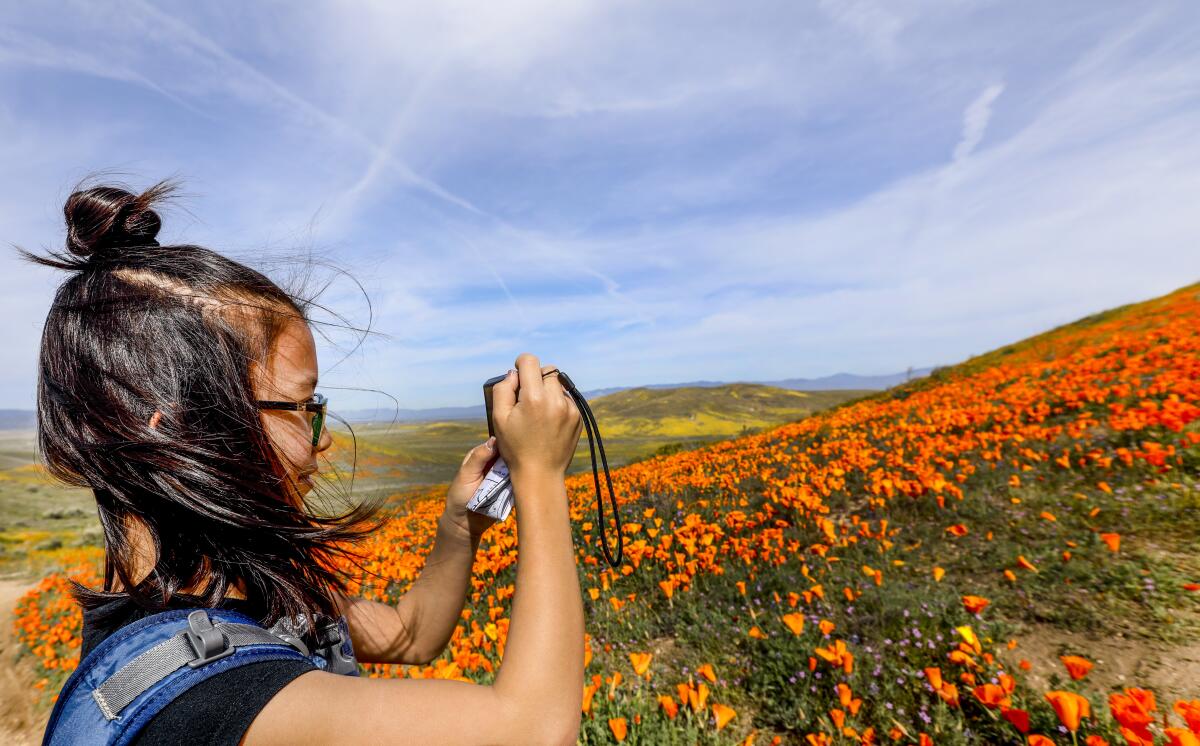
<point x="106" y="217"/>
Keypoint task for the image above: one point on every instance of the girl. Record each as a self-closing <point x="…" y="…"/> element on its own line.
<point x="180" y="386"/>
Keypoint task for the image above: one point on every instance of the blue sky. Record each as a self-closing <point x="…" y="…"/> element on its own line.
<point x="637" y="192"/>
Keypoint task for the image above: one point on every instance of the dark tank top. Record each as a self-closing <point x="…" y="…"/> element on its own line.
<point x="215" y="711"/>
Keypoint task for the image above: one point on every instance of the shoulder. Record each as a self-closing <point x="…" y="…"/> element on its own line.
<point x="216" y="709"/>
<point x="102" y="620"/>
<point x="220" y="709"/>
<point x="323" y="708"/>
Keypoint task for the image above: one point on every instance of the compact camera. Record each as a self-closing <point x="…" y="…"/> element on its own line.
<point x="495" y="495"/>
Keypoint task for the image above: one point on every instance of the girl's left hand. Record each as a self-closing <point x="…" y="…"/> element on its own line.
<point x="475" y="466"/>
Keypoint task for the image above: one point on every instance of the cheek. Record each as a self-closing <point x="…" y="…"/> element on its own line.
<point x="292" y="441"/>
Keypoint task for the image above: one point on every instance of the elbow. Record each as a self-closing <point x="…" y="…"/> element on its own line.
<point x="561" y="733"/>
<point x="541" y="723"/>
<point x="562" y="728"/>
<point x="570" y="733"/>
<point x="421" y="657"/>
<point x="422" y="650"/>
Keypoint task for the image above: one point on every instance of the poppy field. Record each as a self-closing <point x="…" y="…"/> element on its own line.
<point x="871" y="574"/>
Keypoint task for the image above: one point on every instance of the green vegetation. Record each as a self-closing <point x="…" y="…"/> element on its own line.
<point x="41" y="517"/>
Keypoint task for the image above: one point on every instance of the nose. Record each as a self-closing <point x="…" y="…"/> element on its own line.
<point x="325" y="440"/>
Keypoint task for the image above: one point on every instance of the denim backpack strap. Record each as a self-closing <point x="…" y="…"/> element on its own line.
<point x="131" y="676"/>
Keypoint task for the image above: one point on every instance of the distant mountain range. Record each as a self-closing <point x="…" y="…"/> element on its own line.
<point x="24" y="419"/>
<point x="18" y="419"/>
<point x="835" y="382"/>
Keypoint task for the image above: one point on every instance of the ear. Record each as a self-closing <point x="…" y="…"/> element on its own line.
<point x="155" y="418"/>
<point x="258" y="375"/>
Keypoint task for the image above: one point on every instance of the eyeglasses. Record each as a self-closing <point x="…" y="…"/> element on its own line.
<point x="318" y="404"/>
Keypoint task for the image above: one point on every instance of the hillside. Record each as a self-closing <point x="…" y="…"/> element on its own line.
<point x="719" y="411"/>
<point x="906" y="568"/>
<point x="634" y="424"/>
<point x="39" y="515"/>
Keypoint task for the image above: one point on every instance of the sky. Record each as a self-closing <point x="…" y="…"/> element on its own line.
<point x="636" y="192"/>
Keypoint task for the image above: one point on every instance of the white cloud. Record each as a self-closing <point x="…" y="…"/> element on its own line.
<point x="873" y="21"/>
<point x="638" y="192"/>
<point x="975" y="120"/>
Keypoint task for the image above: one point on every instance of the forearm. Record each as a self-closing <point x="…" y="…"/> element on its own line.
<point x="431" y="608"/>
<point x="542" y="670"/>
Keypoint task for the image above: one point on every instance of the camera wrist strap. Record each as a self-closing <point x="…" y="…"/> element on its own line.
<point x="593" y="433"/>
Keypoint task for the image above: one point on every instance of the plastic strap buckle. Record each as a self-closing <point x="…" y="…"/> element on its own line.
<point x="209" y="643"/>
<point x="332" y="638"/>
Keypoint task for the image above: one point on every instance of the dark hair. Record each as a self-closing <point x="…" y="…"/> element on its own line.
<point x="140" y="328"/>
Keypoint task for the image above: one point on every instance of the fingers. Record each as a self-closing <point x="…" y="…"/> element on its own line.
<point x="529" y="375"/>
<point x="553" y="384"/>
<point x="504" y="397"/>
<point x="551" y="372"/>
<point x="504" y="393"/>
<point x="550" y="381"/>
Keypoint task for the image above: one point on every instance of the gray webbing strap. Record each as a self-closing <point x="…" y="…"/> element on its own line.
<point x="165" y="658"/>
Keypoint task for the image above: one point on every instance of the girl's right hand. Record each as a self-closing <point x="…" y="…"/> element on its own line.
<point x="537" y="423"/>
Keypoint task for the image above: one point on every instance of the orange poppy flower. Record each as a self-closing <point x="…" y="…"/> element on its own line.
<point x="838" y="655"/>
<point x="1189" y="710"/>
<point x="640" y="662"/>
<point x="1180" y="737"/>
<point x="1007" y="683"/>
<point x="1018" y="718"/>
<point x="991" y="695"/>
<point x="1132" y="709"/>
<point x="723" y="714"/>
<point x="667" y="703"/>
<point x="975" y="604"/>
<point x="794" y="622"/>
<point x="668" y="588"/>
<point x="847" y="699"/>
<point x="1069" y="707"/>
<point x="1076" y="667"/>
<point x="619" y="727"/>
<point x="589" y="692"/>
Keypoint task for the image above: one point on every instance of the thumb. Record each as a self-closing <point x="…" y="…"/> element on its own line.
<point x="480" y="454"/>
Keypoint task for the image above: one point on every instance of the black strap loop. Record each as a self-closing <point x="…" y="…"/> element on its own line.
<point x="593" y="433"/>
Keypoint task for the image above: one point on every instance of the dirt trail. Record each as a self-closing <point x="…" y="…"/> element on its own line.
<point x="1172" y="671"/>
<point x="20" y="721"/>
